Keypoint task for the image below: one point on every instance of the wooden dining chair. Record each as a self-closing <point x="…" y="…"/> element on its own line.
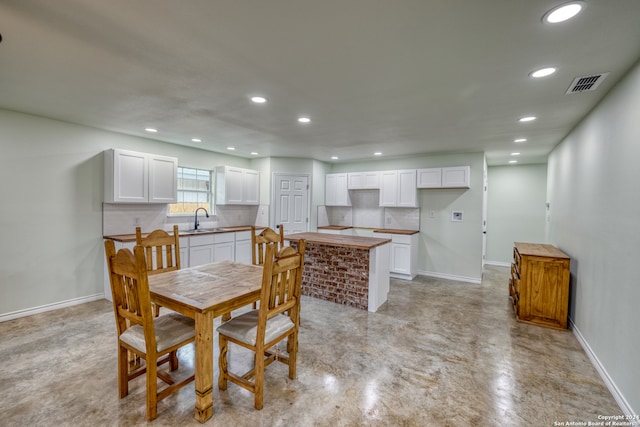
<point x="161" y="253"/>
<point x="154" y="339"/>
<point x="277" y="318"/>
<point x="259" y="242"/>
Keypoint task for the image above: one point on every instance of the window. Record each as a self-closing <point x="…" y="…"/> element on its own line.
<point x="194" y="191"/>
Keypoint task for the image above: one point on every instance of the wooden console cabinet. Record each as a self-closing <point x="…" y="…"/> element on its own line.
<point x="539" y="284"/>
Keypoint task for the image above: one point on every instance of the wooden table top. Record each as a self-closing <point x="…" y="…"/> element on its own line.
<point x="338" y="240"/>
<point x="538" y="249"/>
<point x="211" y="287"/>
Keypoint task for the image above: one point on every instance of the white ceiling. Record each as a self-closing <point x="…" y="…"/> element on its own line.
<point x="398" y="76"/>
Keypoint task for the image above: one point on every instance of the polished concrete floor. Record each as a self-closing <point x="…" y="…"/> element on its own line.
<point x="438" y="353"/>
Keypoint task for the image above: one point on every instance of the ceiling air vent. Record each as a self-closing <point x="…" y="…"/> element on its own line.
<point x="586" y="83"/>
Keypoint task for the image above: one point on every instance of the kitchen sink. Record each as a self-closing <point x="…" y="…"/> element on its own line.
<point x="205" y="230"/>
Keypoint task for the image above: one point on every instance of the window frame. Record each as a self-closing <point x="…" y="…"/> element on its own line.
<point x="182" y="189"/>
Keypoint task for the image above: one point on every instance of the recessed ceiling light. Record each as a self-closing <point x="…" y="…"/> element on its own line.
<point x="259" y="99"/>
<point x="231" y="148"/>
<point x="520" y="140"/>
<point x="196" y="140"/>
<point x="377" y="153"/>
<point x="513" y="161"/>
<point x="527" y="119"/>
<point x="515" y="154"/>
<point x="543" y="72"/>
<point x="152" y="130"/>
<point x="334" y="157"/>
<point x="563" y="12"/>
<point x="304" y="119"/>
<point x="254" y="153"/>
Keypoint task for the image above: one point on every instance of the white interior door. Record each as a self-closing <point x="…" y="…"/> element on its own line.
<point x="291" y="202"/>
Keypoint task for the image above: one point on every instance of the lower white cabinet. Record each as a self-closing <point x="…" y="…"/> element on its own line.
<point x="404" y="255"/>
<point x="243" y="246"/>
<point x="209" y="248"/>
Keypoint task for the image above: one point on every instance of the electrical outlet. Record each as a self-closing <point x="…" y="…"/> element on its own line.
<point x="136" y="221"/>
<point x="388" y="220"/>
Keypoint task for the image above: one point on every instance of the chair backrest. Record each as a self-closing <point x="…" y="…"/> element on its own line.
<point x="161" y="250"/>
<point x="281" y="283"/>
<point x="260" y="241"/>
<point x="130" y="290"/>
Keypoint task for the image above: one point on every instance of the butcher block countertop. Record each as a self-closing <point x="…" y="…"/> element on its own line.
<point x="392" y="231"/>
<point x="132" y="237"/>
<point x="335" y="227"/>
<point x="338" y="240"/>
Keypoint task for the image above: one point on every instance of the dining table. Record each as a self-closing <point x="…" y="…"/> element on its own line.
<point x="203" y="293"/>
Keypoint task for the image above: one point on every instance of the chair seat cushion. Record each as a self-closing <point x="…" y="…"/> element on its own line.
<point x="244" y="327"/>
<point x="171" y="329"/>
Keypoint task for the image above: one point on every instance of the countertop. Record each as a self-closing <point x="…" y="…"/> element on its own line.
<point x="338" y="240"/>
<point x="132" y="237"/>
<point x="375" y="230"/>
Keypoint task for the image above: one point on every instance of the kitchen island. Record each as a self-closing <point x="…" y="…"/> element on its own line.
<point x="348" y="270"/>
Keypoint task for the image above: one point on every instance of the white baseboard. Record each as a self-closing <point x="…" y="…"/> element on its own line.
<point x="474" y="280"/>
<point x="617" y="395"/>
<point x="498" y="263"/>
<point x="48" y="307"/>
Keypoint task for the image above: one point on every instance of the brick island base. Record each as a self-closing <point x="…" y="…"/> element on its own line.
<point x="348" y="270"/>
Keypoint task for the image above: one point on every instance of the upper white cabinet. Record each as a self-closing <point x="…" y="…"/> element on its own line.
<point x="336" y="190"/>
<point x="450" y="177"/>
<point x="237" y="186"/>
<point x="132" y="177"/>
<point x="363" y="180"/>
<point x="398" y="188"/>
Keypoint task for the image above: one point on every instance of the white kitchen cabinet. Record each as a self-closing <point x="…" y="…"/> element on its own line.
<point x="208" y="248"/>
<point x="449" y="177"/>
<point x="243" y="246"/>
<point x="336" y="190"/>
<point x="403" y="254"/>
<point x="237" y="186"/>
<point x="363" y="180"/>
<point x="398" y="188"/>
<point x="456" y="177"/>
<point x="132" y="177"/>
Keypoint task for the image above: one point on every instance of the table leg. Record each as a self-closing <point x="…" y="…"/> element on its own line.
<point x="204" y="366"/>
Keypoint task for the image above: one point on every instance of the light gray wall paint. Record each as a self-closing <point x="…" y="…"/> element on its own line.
<point x="51" y="175"/>
<point x="593" y="189"/>
<point x="446" y="248"/>
<point x="516" y="210"/>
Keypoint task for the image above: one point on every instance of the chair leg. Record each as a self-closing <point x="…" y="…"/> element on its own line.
<point x="152" y="389"/>
<point x="259" y="380"/>
<point x="292" y="349"/>
<point x="123" y="371"/>
<point x="222" y="362"/>
<point x="173" y="360"/>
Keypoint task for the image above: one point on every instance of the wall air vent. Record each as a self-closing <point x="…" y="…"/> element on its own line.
<point x="586" y="83"/>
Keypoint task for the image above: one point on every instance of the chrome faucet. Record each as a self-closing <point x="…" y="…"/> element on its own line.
<point x="196" y="223"/>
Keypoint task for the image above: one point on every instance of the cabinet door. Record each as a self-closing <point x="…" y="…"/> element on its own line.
<point x="243" y="251"/>
<point x="251" y="187"/>
<point x="371" y="180"/>
<point x="407" y="192"/>
<point x="199" y="255"/>
<point x="336" y="190"/>
<point x="388" y="188"/>
<point x="429" y="178"/>
<point x="400" y="258"/>
<point x="163" y="179"/>
<point x="330" y="183"/>
<point x="223" y="251"/>
<point x="456" y="177"/>
<point x="356" y="180"/>
<point x="234" y="183"/>
<point x="130" y="177"/>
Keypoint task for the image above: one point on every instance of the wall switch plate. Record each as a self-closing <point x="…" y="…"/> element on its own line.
<point x="456" y="216"/>
<point x="431" y="214"/>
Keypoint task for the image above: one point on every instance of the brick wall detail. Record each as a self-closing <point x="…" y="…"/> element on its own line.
<point x="336" y="274"/>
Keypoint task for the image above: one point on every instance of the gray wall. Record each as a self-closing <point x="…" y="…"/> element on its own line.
<point x="593" y="188"/>
<point x="51" y="175"/>
<point x="516" y="209"/>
